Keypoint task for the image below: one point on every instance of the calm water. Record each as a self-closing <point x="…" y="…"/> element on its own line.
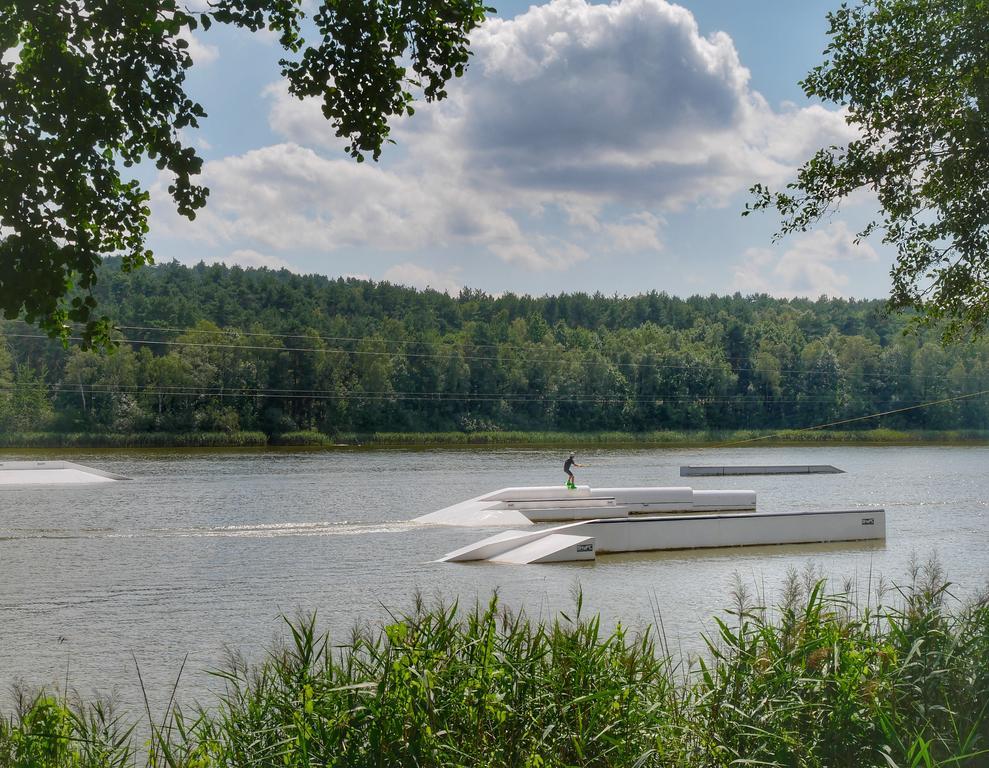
<point x="202" y="552"/>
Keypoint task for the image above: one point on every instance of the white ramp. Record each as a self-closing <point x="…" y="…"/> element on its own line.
<point x="582" y="540"/>
<point x="46" y="473"/>
<point x="505" y="506"/>
<point x="555" y="548"/>
<point x="552" y="545"/>
<point x="477" y="512"/>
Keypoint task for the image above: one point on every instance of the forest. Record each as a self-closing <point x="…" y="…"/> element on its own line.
<point x="217" y="349"/>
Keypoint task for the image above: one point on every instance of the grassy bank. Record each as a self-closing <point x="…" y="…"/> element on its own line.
<point x="657" y="439"/>
<point x="135" y="440"/>
<point x="819" y="681"/>
<point x="666" y="438"/>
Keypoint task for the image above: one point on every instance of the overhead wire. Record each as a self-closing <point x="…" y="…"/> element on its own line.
<point x="259" y="392"/>
<point x="219" y="391"/>
<point x="499" y="347"/>
<point x="487" y="358"/>
<point x="857" y="418"/>
<point x="503" y="346"/>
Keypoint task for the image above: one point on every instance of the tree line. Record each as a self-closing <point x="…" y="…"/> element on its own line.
<point x="222" y="349"/>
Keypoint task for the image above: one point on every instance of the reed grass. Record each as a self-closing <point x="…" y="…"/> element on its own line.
<point x="521" y="437"/>
<point x="664" y="438"/>
<point x="309" y="438"/>
<point x="48" y="731"/>
<point x="573" y="440"/>
<point x="133" y="440"/>
<point x="818" y="680"/>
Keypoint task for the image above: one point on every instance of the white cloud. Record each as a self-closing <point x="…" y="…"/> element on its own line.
<point x="625" y="102"/>
<point x="190" y="136"/>
<point x="578" y="129"/>
<point x="288" y="197"/>
<point x="541" y="254"/>
<point x="201" y="53"/>
<point x="810" y="266"/>
<point x="300" y="121"/>
<point x="419" y="276"/>
<point x="11" y="55"/>
<point x="636" y="233"/>
<point x="245" y="257"/>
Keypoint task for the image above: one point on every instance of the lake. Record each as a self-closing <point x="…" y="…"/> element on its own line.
<point x="201" y="552"/>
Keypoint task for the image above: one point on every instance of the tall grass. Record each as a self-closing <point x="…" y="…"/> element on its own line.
<point x="820" y="680"/>
<point x="663" y="437"/>
<point x="51" y="732"/>
<point x="133" y="440"/>
<point x="307" y="438"/>
<point x="830" y="683"/>
<point x="576" y="440"/>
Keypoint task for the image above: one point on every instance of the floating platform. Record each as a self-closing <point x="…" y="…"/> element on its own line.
<point x="780" y="469"/>
<point x="584" y="540"/>
<point x="551" y="504"/>
<point x="54" y="473"/>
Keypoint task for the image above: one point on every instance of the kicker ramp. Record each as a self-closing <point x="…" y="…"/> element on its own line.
<point x="583" y="540"/>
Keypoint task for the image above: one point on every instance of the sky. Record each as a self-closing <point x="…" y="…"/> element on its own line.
<point x="590" y="147"/>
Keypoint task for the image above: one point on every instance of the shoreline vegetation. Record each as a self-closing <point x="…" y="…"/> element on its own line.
<point x="495" y="439"/>
<point x="820" y="679"/>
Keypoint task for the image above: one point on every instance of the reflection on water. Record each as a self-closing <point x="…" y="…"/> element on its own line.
<point x="204" y="551"/>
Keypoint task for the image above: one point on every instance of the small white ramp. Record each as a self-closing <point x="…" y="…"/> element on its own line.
<point x="476" y="512"/>
<point x="549" y="545"/>
<point x="501" y="507"/>
<point x="555" y="548"/>
<point x="45" y="473"/>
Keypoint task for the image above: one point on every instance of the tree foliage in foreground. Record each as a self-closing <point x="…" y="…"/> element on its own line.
<point x="914" y="76"/>
<point x="87" y="87"/>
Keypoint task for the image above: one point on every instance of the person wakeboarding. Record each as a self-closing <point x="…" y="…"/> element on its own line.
<point x="568" y="468"/>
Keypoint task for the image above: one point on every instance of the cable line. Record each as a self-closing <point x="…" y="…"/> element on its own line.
<point x="502" y="346"/>
<point x="858" y="418"/>
<point x="488" y="358"/>
<point x="245" y="392"/>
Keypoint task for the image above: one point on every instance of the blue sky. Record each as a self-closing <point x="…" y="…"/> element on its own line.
<point x="589" y="147"/>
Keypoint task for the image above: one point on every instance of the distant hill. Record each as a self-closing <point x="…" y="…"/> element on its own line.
<point x="215" y="348"/>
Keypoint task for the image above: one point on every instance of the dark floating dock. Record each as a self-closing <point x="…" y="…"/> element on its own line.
<point x="781" y="469"/>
